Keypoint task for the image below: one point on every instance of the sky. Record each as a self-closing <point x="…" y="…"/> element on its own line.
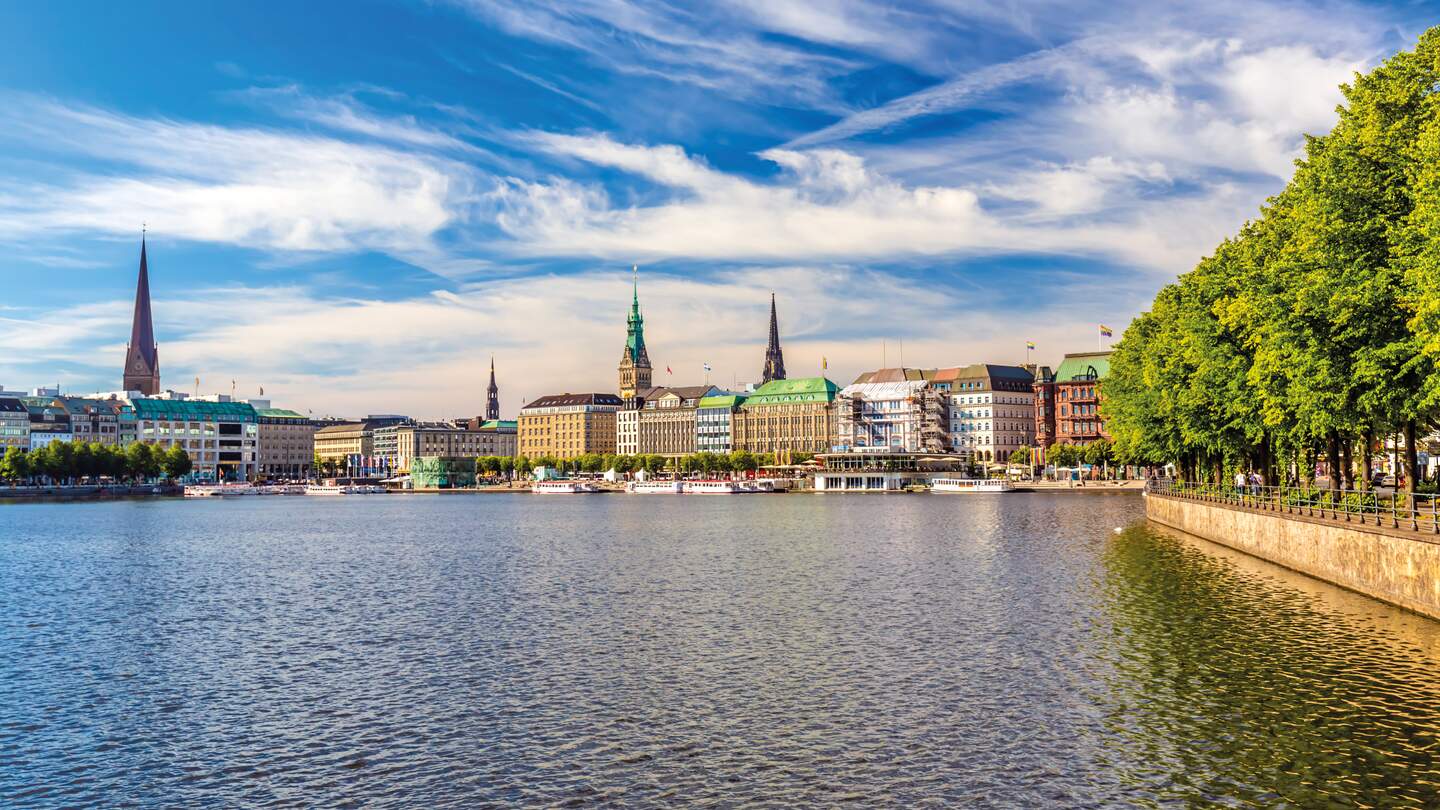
<point x="357" y="205"/>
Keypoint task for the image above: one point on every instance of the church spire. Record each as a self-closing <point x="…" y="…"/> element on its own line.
<point x="492" y="395"/>
<point x="774" y="360"/>
<point x="142" y="358"/>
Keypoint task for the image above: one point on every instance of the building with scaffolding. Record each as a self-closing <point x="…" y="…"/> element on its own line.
<point x="908" y="416"/>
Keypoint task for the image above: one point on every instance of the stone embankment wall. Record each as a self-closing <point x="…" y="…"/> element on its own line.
<point x="1395" y="566"/>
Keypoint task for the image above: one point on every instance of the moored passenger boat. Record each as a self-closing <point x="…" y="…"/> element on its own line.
<point x="562" y="487"/>
<point x="655" y="487"/>
<point x="970" y="485"/>
<point x="713" y="487"/>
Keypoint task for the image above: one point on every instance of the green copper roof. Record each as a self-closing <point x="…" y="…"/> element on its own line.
<point x="499" y="424"/>
<point x="635" y="334"/>
<point x="724" y="401"/>
<point x="788" y="392"/>
<point x="278" y="413"/>
<point x="1080" y="365"/>
<point x="192" y="409"/>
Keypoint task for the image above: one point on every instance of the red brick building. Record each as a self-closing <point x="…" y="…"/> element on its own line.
<point x="1067" y="402"/>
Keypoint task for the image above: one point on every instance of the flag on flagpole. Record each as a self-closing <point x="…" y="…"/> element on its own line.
<point x="824" y="363"/>
<point x="707" y="368"/>
<point x="1029" y="344"/>
<point x="668" y="371"/>
<point x="1105" y="331"/>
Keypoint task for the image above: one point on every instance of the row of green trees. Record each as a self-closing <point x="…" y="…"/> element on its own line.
<point x="1315" y="331"/>
<point x="739" y="461"/>
<point x="69" y="462"/>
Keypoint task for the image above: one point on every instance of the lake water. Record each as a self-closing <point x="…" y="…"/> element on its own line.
<point x="902" y="650"/>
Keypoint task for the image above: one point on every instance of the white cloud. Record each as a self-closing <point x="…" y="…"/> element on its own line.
<point x="251" y="187"/>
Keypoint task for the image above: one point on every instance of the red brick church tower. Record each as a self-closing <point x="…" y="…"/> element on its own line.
<point x="142" y="359"/>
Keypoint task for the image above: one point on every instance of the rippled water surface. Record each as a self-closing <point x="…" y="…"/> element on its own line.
<point x="461" y="651"/>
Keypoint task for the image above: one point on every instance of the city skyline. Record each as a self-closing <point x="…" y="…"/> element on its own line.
<point x="359" y="227"/>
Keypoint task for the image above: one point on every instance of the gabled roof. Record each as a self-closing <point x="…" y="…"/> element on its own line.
<point x="788" y="392"/>
<point x="1082" y="365"/>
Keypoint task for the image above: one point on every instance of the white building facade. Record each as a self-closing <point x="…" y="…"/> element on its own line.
<point x="909" y="416"/>
<point x="992" y="411"/>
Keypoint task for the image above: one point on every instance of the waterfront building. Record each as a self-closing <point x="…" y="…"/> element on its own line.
<point x="493" y="437"/>
<point x="14" y="424"/>
<point x="142" y="356"/>
<point x="92" y="420"/>
<point x="992" y="409"/>
<point x="635" y="360"/>
<point x="568" y="425"/>
<point x="1070" y="402"/>
<point x="787" y="416"/>
<point x="714" y="421"/>
<point x="222" y="438"/>
<point x="911" y="416"/>
<point x="666" y="422"/>
<point x="287" y="443"/>
<point x="883" y="471"/>
<point x="48" y="422"/>
<point x="397" y="446"/>
<point x="343" y="442"/>
<point x="774" y="360"/>
<point x="991" y="406"/>
<point x="492" y="396"/>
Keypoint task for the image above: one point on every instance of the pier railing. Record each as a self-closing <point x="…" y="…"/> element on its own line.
<point x="1394" y="510"/>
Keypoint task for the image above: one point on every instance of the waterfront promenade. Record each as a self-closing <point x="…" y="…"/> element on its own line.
<point x="1380" y="544"/>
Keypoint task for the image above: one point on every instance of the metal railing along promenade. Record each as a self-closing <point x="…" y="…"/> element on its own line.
<point x="1394" y="510"/>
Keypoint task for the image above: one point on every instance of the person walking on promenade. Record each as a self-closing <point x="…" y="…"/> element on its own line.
<point x="1255" y="482"/>
<point x="1240" y="483"/>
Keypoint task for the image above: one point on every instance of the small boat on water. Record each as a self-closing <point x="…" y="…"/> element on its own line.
<point x="562" y="487"/>
<point x="970" y="485"/>
<point x="655" y="487"/>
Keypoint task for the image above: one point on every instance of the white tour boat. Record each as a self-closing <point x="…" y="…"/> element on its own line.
<point x="970" y="485"/>
<point x="344" y="489"/>
<point x="220" y="490"/>
<point x="720" y="487"/>
<point x="562" y="487"/>
<point x="655" y="487"/>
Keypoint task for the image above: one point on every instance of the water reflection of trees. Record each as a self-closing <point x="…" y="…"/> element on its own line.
<point x="1220" y="682"/>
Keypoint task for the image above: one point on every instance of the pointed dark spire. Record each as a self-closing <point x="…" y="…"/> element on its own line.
<point x="774" y="360"/>
<point x="142" y="359"/>
<point x="492" y="395"/>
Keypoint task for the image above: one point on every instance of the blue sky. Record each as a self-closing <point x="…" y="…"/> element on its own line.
<point x="356" y="204"/>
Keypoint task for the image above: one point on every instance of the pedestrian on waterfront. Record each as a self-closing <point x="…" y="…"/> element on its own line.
<point x="1255" y="483"/>
<point x="1240" y="483"/>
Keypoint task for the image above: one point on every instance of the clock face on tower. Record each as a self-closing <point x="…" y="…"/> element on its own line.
<point x="138" y="366"/>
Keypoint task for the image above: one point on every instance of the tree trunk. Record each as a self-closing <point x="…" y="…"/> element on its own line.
<point x="1332" y="450"/>
<point x="1347" y="463"/>
<point x="1369" y="438"/>
<point x="1412" y="459"/>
